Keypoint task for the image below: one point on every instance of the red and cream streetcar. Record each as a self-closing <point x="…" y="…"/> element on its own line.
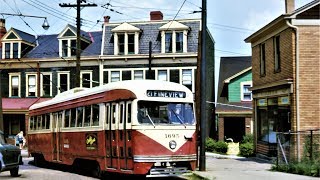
<point x="131" y="127"/>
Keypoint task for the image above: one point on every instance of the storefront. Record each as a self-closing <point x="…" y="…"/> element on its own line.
<point x="272" y="114"/>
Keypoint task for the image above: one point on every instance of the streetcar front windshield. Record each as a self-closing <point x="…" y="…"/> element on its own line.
<point x="165" y="113"/>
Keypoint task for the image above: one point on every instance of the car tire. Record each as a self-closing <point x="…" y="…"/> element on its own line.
<point x="14" y="172"/>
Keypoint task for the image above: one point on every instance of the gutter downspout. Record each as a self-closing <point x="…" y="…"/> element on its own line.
<point x="297" y="86"/>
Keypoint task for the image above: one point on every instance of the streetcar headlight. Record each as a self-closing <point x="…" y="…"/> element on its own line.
<point x="172" y="144"/>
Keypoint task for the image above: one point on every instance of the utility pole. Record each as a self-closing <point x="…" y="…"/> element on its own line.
<point x="78" y="50"/>
<point x="203" y="109"/>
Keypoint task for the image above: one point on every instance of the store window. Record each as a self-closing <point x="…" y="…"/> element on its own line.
<point x="272" y="118"/>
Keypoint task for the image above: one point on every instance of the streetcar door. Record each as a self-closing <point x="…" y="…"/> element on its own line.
<point x="125" y="149"/>
<point x="111" y="136"/>
<point x="56" y="136"/>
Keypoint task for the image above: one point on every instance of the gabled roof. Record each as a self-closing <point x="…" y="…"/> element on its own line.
<point x="173" y="25"/>
<point x="230" y="66"/>
<point x="125" y="27"/>
<point x="72" y="29"/>
<point x="281" y="21"/>
<point x="304" y="8"/>
<point x="238" y="74"/>
<point x="22" y="36"/>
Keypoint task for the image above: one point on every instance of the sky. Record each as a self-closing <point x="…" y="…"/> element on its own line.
<point x="229" y="21"/>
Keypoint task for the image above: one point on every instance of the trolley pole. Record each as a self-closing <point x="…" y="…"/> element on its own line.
<point x="203" y="111"/>
<point x="78" y="50"/>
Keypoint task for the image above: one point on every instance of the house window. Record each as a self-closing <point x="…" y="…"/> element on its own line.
<point x="126" y="43"/>
<point x="246" y="94"/>
<point x="15" y="50"/>
<point x="63" y="82"/>
<point x="262" y="60"/>
<point x="168" y="41"/>
<point x="179" y="41"/>
<point x="130" y="43"/>
<point x="31" y="85"/>
<point x="73" y="46"/>
<point x="86" y="79"/>
<point x="115" y="76"/>
<point x="187" y="78"/>
<point x="174" y="41"/>
<point x="138" y="74"/>
<point x="64" y="48"/>
<point x="46" y="85"/>
<point x="277" y="66"/>
<point x="121" y="43"/>
<point x="14" y="85"/>
<point x="68" y="48"/>
<point x="162" y="75"/>
<point x="11" y="50"/>
<point x="7" y="50"/>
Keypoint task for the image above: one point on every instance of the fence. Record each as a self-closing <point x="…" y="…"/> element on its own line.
<point x="298" y="146"/>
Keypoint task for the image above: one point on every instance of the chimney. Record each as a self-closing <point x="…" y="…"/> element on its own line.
<point x="106" y="19"/>
<point x="3" y="29"/>
<point x="156" y="15"/>
<point x="289" y="6"/>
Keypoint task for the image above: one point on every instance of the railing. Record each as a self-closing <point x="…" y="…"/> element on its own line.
<point x="289" y="151"/>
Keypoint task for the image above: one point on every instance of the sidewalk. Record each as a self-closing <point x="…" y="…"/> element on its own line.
<point x="228" y="167"/>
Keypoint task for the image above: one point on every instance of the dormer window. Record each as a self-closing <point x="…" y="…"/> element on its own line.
<point x="16" y="44"/>
<point x="174" y="37"/>
<point x="126" y="39"/>
<point x="68" y="42"/>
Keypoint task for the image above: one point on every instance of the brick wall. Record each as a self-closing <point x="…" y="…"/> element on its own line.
<point x="286" y="59"/>
<point x="221" y="129"/>
<point x="309" y="77"/>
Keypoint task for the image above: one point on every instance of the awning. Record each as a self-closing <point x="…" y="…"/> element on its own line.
<point x="19" y="105"/>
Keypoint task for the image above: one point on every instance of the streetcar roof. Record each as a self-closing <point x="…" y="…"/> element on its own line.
<point x="138" y="87"/>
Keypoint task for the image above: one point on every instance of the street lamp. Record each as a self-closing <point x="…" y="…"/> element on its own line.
<point x="45" y="24"/>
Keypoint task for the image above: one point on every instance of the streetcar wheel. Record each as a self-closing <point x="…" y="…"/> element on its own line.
<point x="96" y="172"/>
<point x="39" y="160"/>
<point x="14" y="172"/>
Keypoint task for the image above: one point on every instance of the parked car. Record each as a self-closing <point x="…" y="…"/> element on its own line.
<point x="10" y="157"/>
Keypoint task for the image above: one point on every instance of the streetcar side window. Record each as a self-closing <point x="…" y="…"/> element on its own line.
<point x="73" y="117"/>
<point x="80" y="116"/>
<point x="108" y="114"/>
<point x="113" y="114"/>
<point x="129" y="112"/>
<point x="87" y="115"/>
<point x="67" y="118"/>
<point x="31" y="123"/>
<point x="38" y="126"/>
<point x="47" y="121"/>
<point x="95" y="115"/>
<point x="121" y="113"/>
<point x="43" y="121"/>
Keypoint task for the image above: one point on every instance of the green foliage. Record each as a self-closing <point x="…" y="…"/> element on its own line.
<point x="311" y="150"/>
<point x="210" y="144"/>
<point x="304" y="168"/>
<point x="221" y="147"/>
<point x="246" y="149"/>
<point x="248" y="138"/>
<point x="216" y="146"/>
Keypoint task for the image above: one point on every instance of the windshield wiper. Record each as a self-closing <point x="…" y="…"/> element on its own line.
<point x="179" y="118"/>
<point x="151" y="120"/>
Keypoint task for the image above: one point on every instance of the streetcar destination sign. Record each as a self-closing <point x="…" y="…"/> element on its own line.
<point x="166" y="94"/>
